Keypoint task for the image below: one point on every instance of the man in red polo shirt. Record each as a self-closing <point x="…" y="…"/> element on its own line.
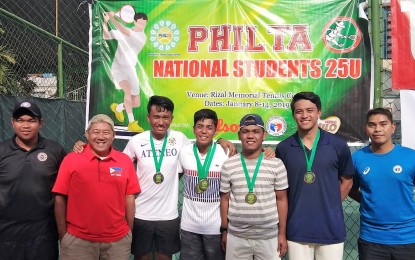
<point x="95" y="193"/>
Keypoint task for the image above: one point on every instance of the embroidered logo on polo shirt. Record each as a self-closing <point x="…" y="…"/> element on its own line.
<point x="397" y="169"/>
<point x="115" y="171"/>
<point x="366" y="171"/>
<point x="42" y="156"/>
<point x="172" y="141"/>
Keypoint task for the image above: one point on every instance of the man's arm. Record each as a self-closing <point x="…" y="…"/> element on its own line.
<point x="117" y="24"/>
<point x="282" y="207"/>
<point x="105" y="31"/>
<point x="60" y="213"/>
<point x="346" y="183"/>
<point x="130" y="210"/>
<point x="224" y="206"/>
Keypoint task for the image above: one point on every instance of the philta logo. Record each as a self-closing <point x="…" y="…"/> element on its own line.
<point x="164" y="35"/>
<point x="341" y="35"/>
<point x="330" y="124"/>
<point x="276" y="126"/>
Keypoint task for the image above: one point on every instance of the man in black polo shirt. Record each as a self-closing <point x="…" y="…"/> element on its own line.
<point x="28" y="167"/>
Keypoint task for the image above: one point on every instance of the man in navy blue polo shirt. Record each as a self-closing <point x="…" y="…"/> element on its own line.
<point x="319" y="169"/>
<point x="28" y="167"/>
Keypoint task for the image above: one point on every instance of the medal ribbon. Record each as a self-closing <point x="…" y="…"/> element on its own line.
<point x="310" y="160"/>
<point x="202" y="170"/>
<point x="251" y="183"/>
<point x="157" y="163"/>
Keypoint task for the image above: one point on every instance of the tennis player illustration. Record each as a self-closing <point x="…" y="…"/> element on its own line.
<point x="130" y="42"/>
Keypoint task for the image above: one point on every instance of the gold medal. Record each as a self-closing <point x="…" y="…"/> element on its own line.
<point x="158" y="178"/>
<point x="203" y="184"/>
<point x="250" y="198"/>
<point x="309" y="177"/>
<point x="198" y="189"/>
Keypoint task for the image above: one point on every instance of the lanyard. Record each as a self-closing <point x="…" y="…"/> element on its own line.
<point x="202" y="170"/>
<point x="251" y="183"/>
<point x="157" y="163"/>
<point x="310" y="160"/>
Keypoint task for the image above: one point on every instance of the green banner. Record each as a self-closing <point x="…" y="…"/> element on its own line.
<point x="235" y="57"/>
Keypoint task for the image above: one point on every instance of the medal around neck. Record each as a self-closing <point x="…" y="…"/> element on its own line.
<point x="158" y="178"/>
<point x="203" y="184"/>
<point x="250" y="198"/>
<point x="309" y="177"/>
<point x="198" y="189"/>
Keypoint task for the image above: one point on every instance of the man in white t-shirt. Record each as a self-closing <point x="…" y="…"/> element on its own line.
<point x="130" y="42"/>
<point x="201" y="163"/>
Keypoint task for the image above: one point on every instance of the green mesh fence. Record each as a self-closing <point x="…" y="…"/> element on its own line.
<point x="43" y="55"/>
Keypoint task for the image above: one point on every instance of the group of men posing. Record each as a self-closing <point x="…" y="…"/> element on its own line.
<point x="250" y="205"/>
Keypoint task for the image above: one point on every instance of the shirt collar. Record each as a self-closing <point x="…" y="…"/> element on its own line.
<point x="91" y="156"/>
<point x="324" y="138"/>
<point x="40" y="143"/>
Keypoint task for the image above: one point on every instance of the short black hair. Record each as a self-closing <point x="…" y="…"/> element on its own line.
<point x="161" y="103"/>
<point x="310" y="96"/>
<point x="379" y="111"/>
<point x="140" y="16"/>
<point x="205" y="113"/>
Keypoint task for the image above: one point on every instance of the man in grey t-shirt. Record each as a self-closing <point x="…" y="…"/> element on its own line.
<point x="253" y="198"/>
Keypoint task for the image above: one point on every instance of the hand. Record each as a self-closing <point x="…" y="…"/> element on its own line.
<point x="111" y="14"/>
<point x="223" y="240"/>
<point x="79" y="147"/>
<point x="61" y="234"/>
<point x="228" y="145"/>
<point x="268" y="152"/>
<point x="282" y="245"/>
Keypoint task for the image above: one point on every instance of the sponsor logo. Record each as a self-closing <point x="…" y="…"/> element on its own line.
<point x="331" y="124"/>
<point x="164" y="35"/>
<point x="276" y="126"/>
<point x="42" y="156"/>
<point x="366" y="171"/>
<point x="224" y="127"/>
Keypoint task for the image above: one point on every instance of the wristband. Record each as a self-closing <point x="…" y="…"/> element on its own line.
<point x="223" y="229"/>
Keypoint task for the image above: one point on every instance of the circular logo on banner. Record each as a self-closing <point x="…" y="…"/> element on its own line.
<point x="164" y="35"/>
<point x="341" y="35"/>
<point x="42" y="157"/>
<point x="276" y="126"/>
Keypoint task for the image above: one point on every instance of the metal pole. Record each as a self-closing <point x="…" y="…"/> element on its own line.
<point x="60" y="70"/>
<point x="57" y="18"/>
<point x="375" y="7"/>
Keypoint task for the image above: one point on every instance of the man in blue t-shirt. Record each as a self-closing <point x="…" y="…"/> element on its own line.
<point x="319" y="169"/>
<point x="384" y="184"/>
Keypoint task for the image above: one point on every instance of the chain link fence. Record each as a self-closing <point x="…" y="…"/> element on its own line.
<point x="43" y="55"/>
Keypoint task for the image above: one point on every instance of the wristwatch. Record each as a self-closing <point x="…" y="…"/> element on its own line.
<point x="223" y="229"/>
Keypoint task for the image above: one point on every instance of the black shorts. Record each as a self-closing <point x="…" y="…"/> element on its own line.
<point x="369" y="251"/>
<point x="161" y="236"/>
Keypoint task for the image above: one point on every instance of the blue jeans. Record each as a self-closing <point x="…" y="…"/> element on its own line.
<point x="370" y="251"/>
<point x="200" y="247"/>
